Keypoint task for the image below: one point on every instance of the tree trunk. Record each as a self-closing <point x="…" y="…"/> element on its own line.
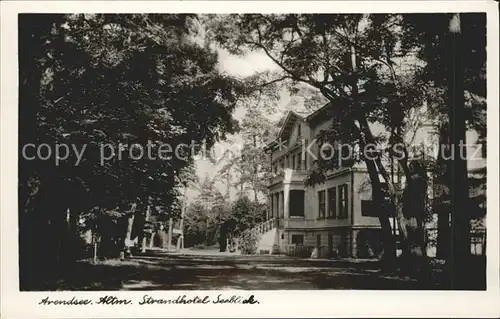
<point x="183" y="214"/>
<point x="460" y="249"/>
<point x="388" y="242"/>
<point x="170" y="229"/>
<point x="442" y="180"/>
<point x="256" y="173"/>
<point x="228" y="185"/>
<point x="144" y="238"/>
<point x="130" y="226"/>
<point x="206" y="235"/>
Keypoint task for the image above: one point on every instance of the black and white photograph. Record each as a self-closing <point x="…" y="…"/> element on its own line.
<point x="248" y="152"/>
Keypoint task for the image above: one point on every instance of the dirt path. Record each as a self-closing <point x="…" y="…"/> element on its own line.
<point x="204" y="271"/>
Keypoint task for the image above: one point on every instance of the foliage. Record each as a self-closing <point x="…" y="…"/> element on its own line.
<point x="306" y="99"/>
<point x="254" y="164"/>
<point x="249" y="165"/>
<point x="248" y="242"/>
<point x="89" y="80"/>
<point x="146" y="106"/>
<point x="211" y="216"/>
<point x="246" y="214"/>
<point x="205" y="215"/>
<point x="436" y="47"/>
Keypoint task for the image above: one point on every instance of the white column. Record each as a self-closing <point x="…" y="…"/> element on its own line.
<point x="269" y="205"/>
<point x="286" y="195"/>
<point x="280" y="204"/>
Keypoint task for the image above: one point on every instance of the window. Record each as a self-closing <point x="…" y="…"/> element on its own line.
<point x="368" y="209"/>
<point x="318" y="240"/>
<point x="298" y="239"/>
<point x="344" y="151"/>
<point x="293" y="162"/>
<point x="276" y="204"/>
<point x="297" y="203"/>
<point x="299" y="161"/>
<point x="332" y="202"/>
<point x="299" y="130"/>
<point x="321" y="204"/>
<point x="343" y="201"/>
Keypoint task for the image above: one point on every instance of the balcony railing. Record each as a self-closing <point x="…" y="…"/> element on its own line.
<point x="277" y="177"/>
<point x="301" y="222"/>
<point x="289" y="175"/>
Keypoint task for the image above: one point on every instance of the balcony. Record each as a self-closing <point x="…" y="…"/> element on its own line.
<point x="289" y="175"/>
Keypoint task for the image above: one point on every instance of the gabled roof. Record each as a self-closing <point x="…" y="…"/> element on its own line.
<point x="290" y="118"/>
<point x="286" y="127"/>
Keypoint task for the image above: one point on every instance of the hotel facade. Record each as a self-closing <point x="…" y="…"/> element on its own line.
<point x="333" y="216"/>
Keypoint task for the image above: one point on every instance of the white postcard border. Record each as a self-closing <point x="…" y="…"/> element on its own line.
<point x="310" y="303"/>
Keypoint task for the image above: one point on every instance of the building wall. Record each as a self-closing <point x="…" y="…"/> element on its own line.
<point x="362" y="191"/>
<point x="339" y="241"/>
<point x="361" y="234"/>
<point x="339" y="244"/>
<point x="312" y="204"/>
<point x="335" y="234"/>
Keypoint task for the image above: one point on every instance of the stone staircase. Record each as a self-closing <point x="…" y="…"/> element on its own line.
<point x="269" y="237"/>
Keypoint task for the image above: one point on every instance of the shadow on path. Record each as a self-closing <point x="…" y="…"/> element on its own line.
<point x="205" y="272"/>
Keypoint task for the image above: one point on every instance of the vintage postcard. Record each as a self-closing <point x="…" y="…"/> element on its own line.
<point x="249" y="159"/>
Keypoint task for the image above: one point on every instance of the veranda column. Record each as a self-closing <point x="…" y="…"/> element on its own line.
<point x="286" y="198"/>
<point x="280" y="205"/>
<point x="269" y="206"/>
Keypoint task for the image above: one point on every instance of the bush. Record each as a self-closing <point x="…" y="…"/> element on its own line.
<point x="248" y="242"/>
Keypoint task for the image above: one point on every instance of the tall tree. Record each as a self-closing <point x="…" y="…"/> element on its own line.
<point x="455" y="51"/>
<point x="247" y="164"/>
<point x="255" y="128"/>
<point x="102" y="81"/>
